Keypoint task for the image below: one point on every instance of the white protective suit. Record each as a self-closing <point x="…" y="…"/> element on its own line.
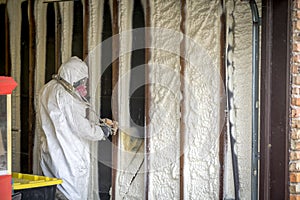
<point x="66" y="135"/>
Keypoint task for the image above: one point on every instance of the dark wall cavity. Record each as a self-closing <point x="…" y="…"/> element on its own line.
<point x="24" y="86"/>
<point x="77" y="41"/>
<point x="50" y="43"/>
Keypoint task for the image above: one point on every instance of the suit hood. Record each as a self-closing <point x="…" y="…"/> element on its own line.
<point x="73" y="70"/>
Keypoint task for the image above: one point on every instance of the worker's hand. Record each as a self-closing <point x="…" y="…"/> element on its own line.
<point x="115" y="127"/>
<point x="107" y="121"/>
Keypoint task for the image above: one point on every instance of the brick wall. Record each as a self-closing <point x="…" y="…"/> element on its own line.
<point x="294" y="163"/>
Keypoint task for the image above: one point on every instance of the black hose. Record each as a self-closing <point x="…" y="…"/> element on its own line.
<point x="255" y="101"/>
<point x="234" y="158"/>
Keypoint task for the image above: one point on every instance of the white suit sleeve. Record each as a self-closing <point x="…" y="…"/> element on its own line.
<point x="75" y="114"/>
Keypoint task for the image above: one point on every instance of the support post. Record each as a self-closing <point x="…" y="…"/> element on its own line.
<point x="182" y="89"/>
<point x="7" y="46"/>
<point x="57" y="37"/>
<point x="275" y="93"/>
<point x="115" y="103"/>
<point x="147" y="96"/>
<point x="86" y="24"/>
<point x="223" y="128"/>
<point x="32" y="53"/>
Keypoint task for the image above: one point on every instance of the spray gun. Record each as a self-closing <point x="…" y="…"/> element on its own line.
<point x="108" y="126"/>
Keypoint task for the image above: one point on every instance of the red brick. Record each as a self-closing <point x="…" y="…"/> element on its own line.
<point x="295" y="134"/>
<point x="296" y="37"/>
<point x="295" y="144"/>
<point x="295" y="166"/>
<point x="296" y="80"/>
<point x="297" y="25"/>
<point x="296" y="101"/>
<point x="295" y="123"/>
<point x="298" y="14"/>
<point x="295" y="91"/>
<point x="294" y="197"/>
<point x="297" y="4"/>
<point x="295" y="69"/>
<point x="295" y="155"/>
<point x="296" y="112"/>
<point x="296" y="47"/>
<point x="294" y="177"/>
<point x="292" y="189"/>
<point x="296" y="58"/>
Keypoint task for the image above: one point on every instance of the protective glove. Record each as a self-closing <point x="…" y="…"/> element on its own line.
<point x="106" y="130"/>
<point x="110" y="126"/>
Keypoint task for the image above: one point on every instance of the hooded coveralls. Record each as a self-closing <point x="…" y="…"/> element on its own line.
<point x="66" y="133"/>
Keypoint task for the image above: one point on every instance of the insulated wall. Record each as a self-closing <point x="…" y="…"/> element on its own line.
<point x="241" y="79"/>
<point x="164" y="111"/>
<point x="202" y="100"/>
<point x="203" y="94"/>
<point x="195" y="107"/>
<point x="239" y="76"/>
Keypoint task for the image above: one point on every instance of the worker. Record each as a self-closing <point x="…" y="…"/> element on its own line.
<point x="67" y="131"/>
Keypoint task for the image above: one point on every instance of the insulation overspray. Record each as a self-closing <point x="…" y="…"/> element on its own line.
<point x="164" y="102"/>
<point x="202" y="100"/>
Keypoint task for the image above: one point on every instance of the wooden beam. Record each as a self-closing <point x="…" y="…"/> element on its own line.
<point x="274" y="115"/>
<point x="182" y="102"/>
<point x="57" y="37"/>
<point x="115" y="103"/>
<point x="7" y="45"/>
<point x="32" y="53"/>
<point x="147" y="94"/>
<point x="86" y="23"/>
<point x="223" y="119"/>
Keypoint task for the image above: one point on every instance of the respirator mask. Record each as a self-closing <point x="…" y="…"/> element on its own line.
<point x="81" y="87"/>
